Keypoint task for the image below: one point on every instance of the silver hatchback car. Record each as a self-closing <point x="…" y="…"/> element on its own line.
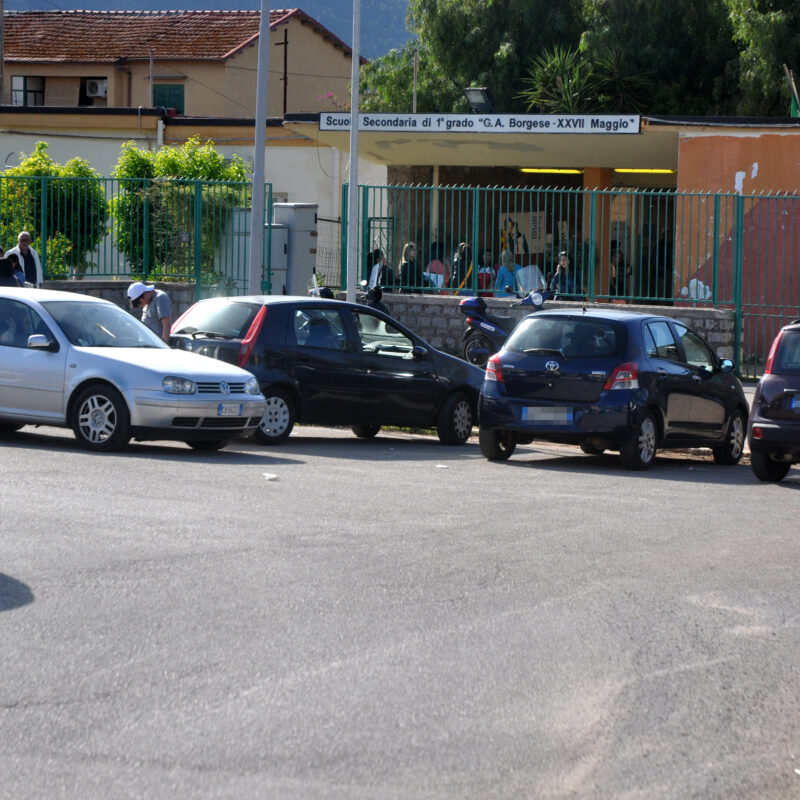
<point x="75" y="361"/>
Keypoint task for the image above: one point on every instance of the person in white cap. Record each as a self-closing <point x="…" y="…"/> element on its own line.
<point x="156" y="307"/>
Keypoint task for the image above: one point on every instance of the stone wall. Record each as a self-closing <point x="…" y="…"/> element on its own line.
<point x="181" y="294"/>
<point x="438" y="320"/>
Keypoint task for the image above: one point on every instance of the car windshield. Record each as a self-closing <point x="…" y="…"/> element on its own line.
<point x="88" y="324"/>
<point x="569" y="337"/>
<point x="218" y="318"/>
<point x="787" y="359"/>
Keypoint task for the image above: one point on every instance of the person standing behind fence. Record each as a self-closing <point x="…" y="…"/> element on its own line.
<point x="28" y="259"/>
<point x="461" y="277"/>
<point x="17" y="269"/>
<point x="507" y="274"/>
<point x="437" y="272"/>
<point x="7" y="274"/>
<point x="411" y="279"/>
<point x="157" y="308"/>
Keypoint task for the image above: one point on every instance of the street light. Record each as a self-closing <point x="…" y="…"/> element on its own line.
<point x="480" y="100"/>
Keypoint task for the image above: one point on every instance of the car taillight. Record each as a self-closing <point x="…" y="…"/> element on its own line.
<point x="757" y="432"/>
<point x="771" y="356"/>
<point x="625" y="376"/>
<point x="494" y="371"/>
<point x="249" y="341"/>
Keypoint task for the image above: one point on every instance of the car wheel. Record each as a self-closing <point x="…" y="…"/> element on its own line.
<point x="366" y="431"/>
<point x="639" y="451"/>
<point x="730" y="451"/>
<point x="10" y="427"/>
<point x="477" y="349"/>
<point x="591" y="450"/>
<point x="496" y="445"/>
<point x="278" y="419"/>
<point x="766" y="469"/>
<point x="454" y="425"/>
<point x="100" y="419"/>
<point x="205" y="446"/>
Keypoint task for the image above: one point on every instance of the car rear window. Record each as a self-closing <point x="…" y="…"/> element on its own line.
<point x="219" y="318"/>
<point x="571" y="337"/>
<point x="787" y="359"/>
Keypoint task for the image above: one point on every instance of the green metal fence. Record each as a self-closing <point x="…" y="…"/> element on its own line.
<point x="624" y="246"/>
<point x="156" y="229"/>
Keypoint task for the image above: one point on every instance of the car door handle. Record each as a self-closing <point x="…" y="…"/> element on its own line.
<point x="696" y="378"/>
<point x="662" y="373"/>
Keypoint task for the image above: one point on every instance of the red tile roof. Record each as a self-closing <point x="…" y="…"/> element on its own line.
<point x="106" y="36"/>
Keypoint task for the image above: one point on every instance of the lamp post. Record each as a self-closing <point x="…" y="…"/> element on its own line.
<point x="352" y="192"/>
<point x="480" y="100"/>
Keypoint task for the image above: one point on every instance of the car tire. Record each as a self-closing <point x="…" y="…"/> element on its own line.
<point x="454" y="424"/>
<point x="730" y="451"/>
<point x="496" y="445"/>
<point x="278" y="420"/>
<point x="768" y="470"/>
<point x="591" y="450"/>
<point x="10" y="427"/>
<point x="639" y="451"/>
<point x="100" y="419"/>
<point x="208" y="445"/>
<point x="473" y="346"/>
<point x="366" y="431"/>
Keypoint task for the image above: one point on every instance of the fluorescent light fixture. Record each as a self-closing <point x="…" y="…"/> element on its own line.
<point x="646" y="171"/>
<point x="552" y="171"/>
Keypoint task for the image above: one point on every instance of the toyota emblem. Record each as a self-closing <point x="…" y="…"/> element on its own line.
<point x="224" y="388"/>
<point x="552" y="366"/>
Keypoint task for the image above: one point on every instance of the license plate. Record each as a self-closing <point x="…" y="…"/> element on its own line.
<point x="547" y="415"/>
<point x="229" y="410"/>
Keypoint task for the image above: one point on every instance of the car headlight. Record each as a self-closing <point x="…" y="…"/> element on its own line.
<point x="173" y="385"/>
<point x="251" y="386"/>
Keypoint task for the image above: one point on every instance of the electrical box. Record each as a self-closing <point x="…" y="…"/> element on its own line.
<point x="278" y="239"/>
<point x="300" y="219"/>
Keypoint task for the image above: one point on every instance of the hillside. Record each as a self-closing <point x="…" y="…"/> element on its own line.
<point x="382" y="21"/>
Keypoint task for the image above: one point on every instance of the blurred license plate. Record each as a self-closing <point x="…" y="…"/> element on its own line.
<point x="553" y="415"/>
<point x="229" y="410"/>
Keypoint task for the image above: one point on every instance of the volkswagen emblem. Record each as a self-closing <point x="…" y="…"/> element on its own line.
<point x="224" y="388"/>
<point x="552" y="366"/>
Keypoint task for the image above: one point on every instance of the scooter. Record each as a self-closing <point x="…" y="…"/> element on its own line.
<point x="372" y="297"/>
<point x="486" y="334"/>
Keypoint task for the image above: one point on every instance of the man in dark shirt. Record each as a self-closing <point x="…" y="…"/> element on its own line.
<point x="29" y="259"/>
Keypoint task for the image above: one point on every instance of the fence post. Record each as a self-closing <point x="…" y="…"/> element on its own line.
<point x="268" y="259"/>
<point x="43" y="226"/>
<point x="366" y="245"/>
<point x="343" y="242"/>
<point x="146" y="230"/>
<point x="715" y="254"/>
<point x="476" y="207"/>
<point x="592" y="241"/>
<point x="198" y="235"/>
<point x="738" y="258"/>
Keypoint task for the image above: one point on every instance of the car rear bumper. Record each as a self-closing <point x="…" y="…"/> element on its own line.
<point x="555" y="422"/>
<point x="776" y="438"/>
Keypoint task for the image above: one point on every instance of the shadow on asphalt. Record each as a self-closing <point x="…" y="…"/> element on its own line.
<point x="13" y="593"/>
<point x="682" y="468"/>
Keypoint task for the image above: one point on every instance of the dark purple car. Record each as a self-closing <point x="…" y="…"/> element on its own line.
<point x="774" y="429"/>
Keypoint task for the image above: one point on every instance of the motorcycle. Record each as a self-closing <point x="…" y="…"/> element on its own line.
<point x="372" y="296"/>
<point x="485" y="334"/>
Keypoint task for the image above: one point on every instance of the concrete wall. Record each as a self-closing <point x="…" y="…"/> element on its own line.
<point x="438" y="320"/>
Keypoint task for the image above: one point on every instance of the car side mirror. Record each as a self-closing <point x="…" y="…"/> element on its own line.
<point x="419" y="352"/>
<point x="726" y="366"/>
<point x="38" y="341"/>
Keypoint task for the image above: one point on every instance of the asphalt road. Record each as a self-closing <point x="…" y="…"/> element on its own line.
<point x="393" y="619"/>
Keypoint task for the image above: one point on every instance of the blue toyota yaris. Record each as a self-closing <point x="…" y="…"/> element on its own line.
<point x="610" y="380"/>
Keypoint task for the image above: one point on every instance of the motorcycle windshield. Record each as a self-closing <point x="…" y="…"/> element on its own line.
<point x="564" y="359"/>
<point x="530" y="279"/>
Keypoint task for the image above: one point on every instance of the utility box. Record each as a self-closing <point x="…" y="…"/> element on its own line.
<point x="300" y="219"/>
<point x="277" y="237"/>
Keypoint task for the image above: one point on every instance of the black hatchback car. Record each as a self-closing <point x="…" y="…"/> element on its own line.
<point x="611" y="380"/>
<point x="329" y="362"/>
<point x="774" y="429"/>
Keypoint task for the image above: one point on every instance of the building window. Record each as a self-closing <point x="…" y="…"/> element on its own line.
<point x="27" y="90"/>
<point x="168" y="95"/>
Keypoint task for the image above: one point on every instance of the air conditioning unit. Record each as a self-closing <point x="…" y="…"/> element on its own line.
<point x="96" y="87"/>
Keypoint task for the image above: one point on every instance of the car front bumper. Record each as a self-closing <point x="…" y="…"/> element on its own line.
<point x="157" y="415"/>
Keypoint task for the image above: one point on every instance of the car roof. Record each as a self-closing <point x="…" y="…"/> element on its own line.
<point x="46" y="295"/>
<point x="612" y="313"/>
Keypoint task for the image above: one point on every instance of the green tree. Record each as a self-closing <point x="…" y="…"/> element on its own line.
<point x="64" y="203"/>
<point x="769" y="32"/>
<point x="166" y="198"/>
<point x="685" y="47"/>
